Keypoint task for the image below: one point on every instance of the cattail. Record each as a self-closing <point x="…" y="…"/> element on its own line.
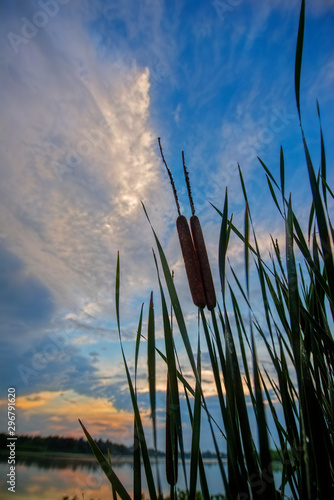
<point x="191" y="262"/>
<point x="209" y="289"/>
<point x="171" y="455"/>
<point x="199" y="243"/>
<point x="187" y="246"/>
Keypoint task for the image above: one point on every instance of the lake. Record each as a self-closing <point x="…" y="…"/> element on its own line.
<point x="51" y="478"/>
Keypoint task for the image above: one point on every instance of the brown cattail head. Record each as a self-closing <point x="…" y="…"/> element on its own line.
<point x="191" y="262"/>
<point x="209" y="289"/>
<point x="171" y="452"/>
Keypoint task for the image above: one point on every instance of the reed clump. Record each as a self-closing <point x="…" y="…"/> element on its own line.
<point x="296" y="333"/>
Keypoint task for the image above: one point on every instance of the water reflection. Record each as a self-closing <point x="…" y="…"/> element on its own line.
<point x="45" y="477"/>
<point x="57" y="462"/>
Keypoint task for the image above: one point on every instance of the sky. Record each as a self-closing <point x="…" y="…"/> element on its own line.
<point x="86" y="90"/>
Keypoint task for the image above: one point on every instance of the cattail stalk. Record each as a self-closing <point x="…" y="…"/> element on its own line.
<point x="171" y="451"/>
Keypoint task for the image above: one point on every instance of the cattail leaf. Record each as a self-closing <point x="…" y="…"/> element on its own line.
<point x="243" y="184"/>
<point x="300" y="240"/>
<point x="223" y="245"/>
<point x="138" y="336"/>
<point x="215" y="369"/>
<point x="234" y="229"/>
<point x="107" y="469"/>
<point x="310" y="221"/>
<point x="143" y="445"/>
<point x="278" y="304"/>
<point x="241" y="332"/>
<point x="175" y="300"/>
<point x="266" y="476"/>
<point x="173" y="374"/>
<point x="293" y="292"/>
<point x="152" y="380"/>
<point x="137" y="486"/>
<point x="282" y="174"/>
<point x="322" y="160"/>
<point x="217" y="336"/>
<point x="203" y="480"/>
<point x="327" y="187"/>
<point x="272" y="192"/>
<point x="299" y="54"/>
<point x="196" y="427"/>
<point x="151" y="365"/>
<point x="171" y="440"/>
<point x="268" y="173"/>
<point x="261" y="274"/>
<point x="247" y="459"/>
<point x="240" y="287"/>
<point x="321" y="221"/>
<point x="114" y="493"/>
<point x="247" y="248"/>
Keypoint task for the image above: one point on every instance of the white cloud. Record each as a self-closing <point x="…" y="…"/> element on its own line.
<point x="78" y="156"/>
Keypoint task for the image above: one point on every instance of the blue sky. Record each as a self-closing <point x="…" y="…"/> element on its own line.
<point x="86" y="90"/>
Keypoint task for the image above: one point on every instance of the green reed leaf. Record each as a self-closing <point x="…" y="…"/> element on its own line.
<point x="107" y="469"/>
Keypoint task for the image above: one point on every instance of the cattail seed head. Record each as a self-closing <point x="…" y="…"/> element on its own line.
<point x="191" y="262"/>
<point x="199" y="243"/>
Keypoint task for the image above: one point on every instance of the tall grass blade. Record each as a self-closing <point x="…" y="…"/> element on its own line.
<point x="151" y="366"/>
<point x="299" y="54"/>
<point x="107" y="469"/>
<point x="137" y="485"/>
<point x="138" y="336"/>
<point x="322" y="225"/>
<point x="323" y="168"/>
<point x="175" y="300"/>
<point x="273" y="195"/>
<point x="174" y="413"/>
<point x="196" y="427"/>
<point x="266" y="477"/>
<point x="223" y="242"/>
<point x="247" y="248"/>
<point x="143" y="445"/>
<point x="152" y="381"/>
<point x="282" y="174"/>
<point x="270" y="175"/>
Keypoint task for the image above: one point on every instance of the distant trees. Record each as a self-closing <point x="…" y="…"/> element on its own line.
<point x="63" y="445"/>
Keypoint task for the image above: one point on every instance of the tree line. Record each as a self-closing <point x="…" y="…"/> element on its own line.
<point x="63" y="445"/>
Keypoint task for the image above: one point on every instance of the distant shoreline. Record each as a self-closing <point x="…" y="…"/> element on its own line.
<point x="61" y="447"/>
<point x="61" y="455"/>
<point x="81" y="457"/>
